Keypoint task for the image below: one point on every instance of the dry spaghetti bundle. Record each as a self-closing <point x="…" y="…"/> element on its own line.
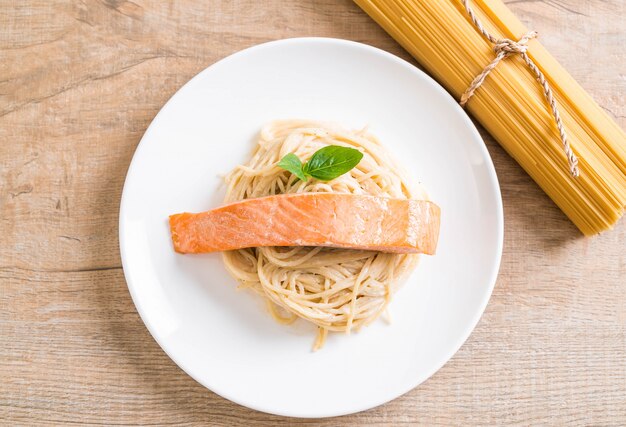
<point x="513" y="106"/>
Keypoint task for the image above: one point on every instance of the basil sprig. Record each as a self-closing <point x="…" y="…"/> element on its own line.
<point x="326" y="163"/>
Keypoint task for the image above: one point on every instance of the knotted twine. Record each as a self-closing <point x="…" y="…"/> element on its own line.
<point x="504" y="48"/>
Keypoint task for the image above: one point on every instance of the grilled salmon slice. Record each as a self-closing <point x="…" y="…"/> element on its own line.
<point x="311" y="219"/>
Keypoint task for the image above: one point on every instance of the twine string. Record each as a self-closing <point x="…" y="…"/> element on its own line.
<point x="504" y="48"/>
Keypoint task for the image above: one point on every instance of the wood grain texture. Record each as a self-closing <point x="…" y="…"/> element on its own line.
<point x="79" y="83"/>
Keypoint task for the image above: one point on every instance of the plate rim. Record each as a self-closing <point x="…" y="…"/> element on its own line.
<point x="494" y="188"/>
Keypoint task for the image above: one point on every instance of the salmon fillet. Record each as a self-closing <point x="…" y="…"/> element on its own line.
<point x="311" y="219"/>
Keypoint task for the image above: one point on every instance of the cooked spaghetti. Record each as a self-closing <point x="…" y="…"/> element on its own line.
<point x="336" y="289"/>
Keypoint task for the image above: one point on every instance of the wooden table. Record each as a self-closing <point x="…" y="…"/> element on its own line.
<point x="79" y="83"/>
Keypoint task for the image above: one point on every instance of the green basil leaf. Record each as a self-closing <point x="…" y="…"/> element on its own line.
<point x="292" y="163"/>
<point x="332" y="161"/>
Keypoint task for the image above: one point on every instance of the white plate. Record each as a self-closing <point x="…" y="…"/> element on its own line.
<point x="224" y="338"/>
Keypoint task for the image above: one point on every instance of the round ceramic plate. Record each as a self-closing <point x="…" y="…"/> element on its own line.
<point x="224" y="337"/>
